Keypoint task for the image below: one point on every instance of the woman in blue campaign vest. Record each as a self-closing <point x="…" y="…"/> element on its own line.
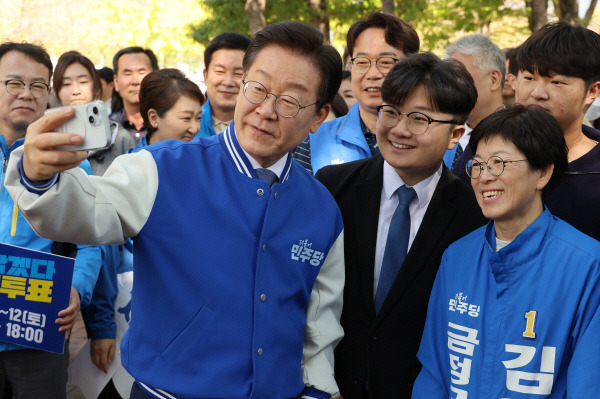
<point x="514" y="312"/>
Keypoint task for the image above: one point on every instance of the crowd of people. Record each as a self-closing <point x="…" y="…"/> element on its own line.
<point x="381" y="224"/>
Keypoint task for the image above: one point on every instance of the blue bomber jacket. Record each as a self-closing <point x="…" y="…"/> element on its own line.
<point x="238" y="288"/>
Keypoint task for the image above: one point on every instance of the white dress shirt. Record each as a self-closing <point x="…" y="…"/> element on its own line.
<point x="388" y="204"/>
<point x="464" y="139"/>
<point x="276" y="168"/>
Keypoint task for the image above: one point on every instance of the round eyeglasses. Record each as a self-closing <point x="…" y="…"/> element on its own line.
<point x="417" y="122"/>
<point x="494" y="165"/>
<point x="14" y="87"/>
<point x="286" y="106"/>
<point x="363" y="64"/>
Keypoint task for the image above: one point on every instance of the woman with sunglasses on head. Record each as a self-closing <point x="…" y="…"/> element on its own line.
<point x="76" y="81"/>
<point x="514" y="311"/>
<point x="171" y="106"/>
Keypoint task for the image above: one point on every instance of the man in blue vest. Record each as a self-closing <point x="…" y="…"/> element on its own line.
<point x="375" y="45"/>
<point x="223" y="78"/>
<point x="25" y="72"/>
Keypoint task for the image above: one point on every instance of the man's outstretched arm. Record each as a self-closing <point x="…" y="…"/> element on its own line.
<point x="72" y="206"/>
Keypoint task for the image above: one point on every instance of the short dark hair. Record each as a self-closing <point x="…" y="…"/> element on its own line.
<point x="448" y="84"/>
<point x="229" y="41"/>
<point x="534" y="132"/>
<point x="563" y="49"/>
<point x="161" y="89"/>
<point x="339" y="106"/>
<point x="135" y="50"/>
<point x="308" y="41"/>
<point x="106" y="74"/>
<point x="74" y="57"/>
<point x="398" y="33"/>
<point x="117" y="101"/>
<point x="346" y="74"/>
<point x="511" y="56"/>
<point x="33" y="51"/>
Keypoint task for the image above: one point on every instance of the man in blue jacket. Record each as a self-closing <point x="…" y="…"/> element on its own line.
<point x="25" y="71"/>
<point x="238" y="251"/>
<point x="223" y="78"/>
<point x="375" y="45"/>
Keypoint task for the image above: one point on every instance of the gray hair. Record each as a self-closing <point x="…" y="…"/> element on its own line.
<point x="486" y="55"/>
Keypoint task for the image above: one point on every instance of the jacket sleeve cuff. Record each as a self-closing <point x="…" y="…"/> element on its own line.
<point x="36" y="187"/>
<point x="313" y="393"/>
<point x="104" y="332"/>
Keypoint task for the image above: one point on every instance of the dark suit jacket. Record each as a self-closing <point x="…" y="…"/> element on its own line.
<point x="384" y="346"/>
<point x="459" y="166"/>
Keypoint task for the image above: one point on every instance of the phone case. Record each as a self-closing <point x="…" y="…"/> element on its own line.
<point x="90" y="122"/>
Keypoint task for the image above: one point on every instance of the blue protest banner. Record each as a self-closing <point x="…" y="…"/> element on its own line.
<point x="34" y="287"/>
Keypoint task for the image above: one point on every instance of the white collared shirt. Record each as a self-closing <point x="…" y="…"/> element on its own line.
<point x="388" y="204"/>
<point x="276" y="168"/>
<point x="464" y="139"/>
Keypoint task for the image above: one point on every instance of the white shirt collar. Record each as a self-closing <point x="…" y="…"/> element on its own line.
<point x="424" y="189"/>
<point x="463" y="142"/>
<point x="276" y="168"/>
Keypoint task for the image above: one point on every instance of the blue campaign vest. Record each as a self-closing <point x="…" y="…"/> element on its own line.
<point x="206" y="122"/>
<point x="339" y="141"/>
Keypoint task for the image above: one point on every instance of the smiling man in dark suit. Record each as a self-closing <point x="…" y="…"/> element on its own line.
<point x="401" y="210"/>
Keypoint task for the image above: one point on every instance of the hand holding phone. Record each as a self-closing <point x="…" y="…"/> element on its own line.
<point x="91" y="123"/>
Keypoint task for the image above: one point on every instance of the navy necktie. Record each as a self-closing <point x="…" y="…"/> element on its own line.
<point x="372" y="142"/>
<point x="458" y="153"/>
<point x="396" y="245"/>
<point x="266" y="175"/>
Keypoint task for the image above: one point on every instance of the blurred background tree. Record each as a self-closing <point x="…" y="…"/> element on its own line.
<point x="178" y="30"/>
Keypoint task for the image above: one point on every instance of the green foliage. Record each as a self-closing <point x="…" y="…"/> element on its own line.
<point x="99" y="28"/>
<point x="220" y="16"/>
<point x="437" y="21"/>
<point x="443" y="20"/>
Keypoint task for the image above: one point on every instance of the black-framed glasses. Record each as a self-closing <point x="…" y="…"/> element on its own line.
<point x="14" y="87"/>
<point x="286" y="106"/>
<point x="494" y="165"/>
<point x="383" y="64"/>
<point x="418" y="122"/>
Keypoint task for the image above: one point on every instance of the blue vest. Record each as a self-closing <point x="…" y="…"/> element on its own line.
<point x="339" y="141"/>
<point x="206" y="122"/>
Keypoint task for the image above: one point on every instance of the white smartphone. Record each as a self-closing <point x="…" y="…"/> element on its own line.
<point x="91" y="123"/>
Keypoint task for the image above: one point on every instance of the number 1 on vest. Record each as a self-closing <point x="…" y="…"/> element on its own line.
<point x="531" y="318"/>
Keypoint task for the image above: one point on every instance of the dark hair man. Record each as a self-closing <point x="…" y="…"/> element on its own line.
<point x="130" y="65"/>
<point x="107" y="77"/>
<point x="508" y="91"/>
<point x="250" y="307"/>
<point x="426" y="102"/>
<point x="223" y="78"/>
<point x="375" y="45"/>
<point x="559" y="70"/>
<point x="487" y="65"/>
<point x="25" y="71"/>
